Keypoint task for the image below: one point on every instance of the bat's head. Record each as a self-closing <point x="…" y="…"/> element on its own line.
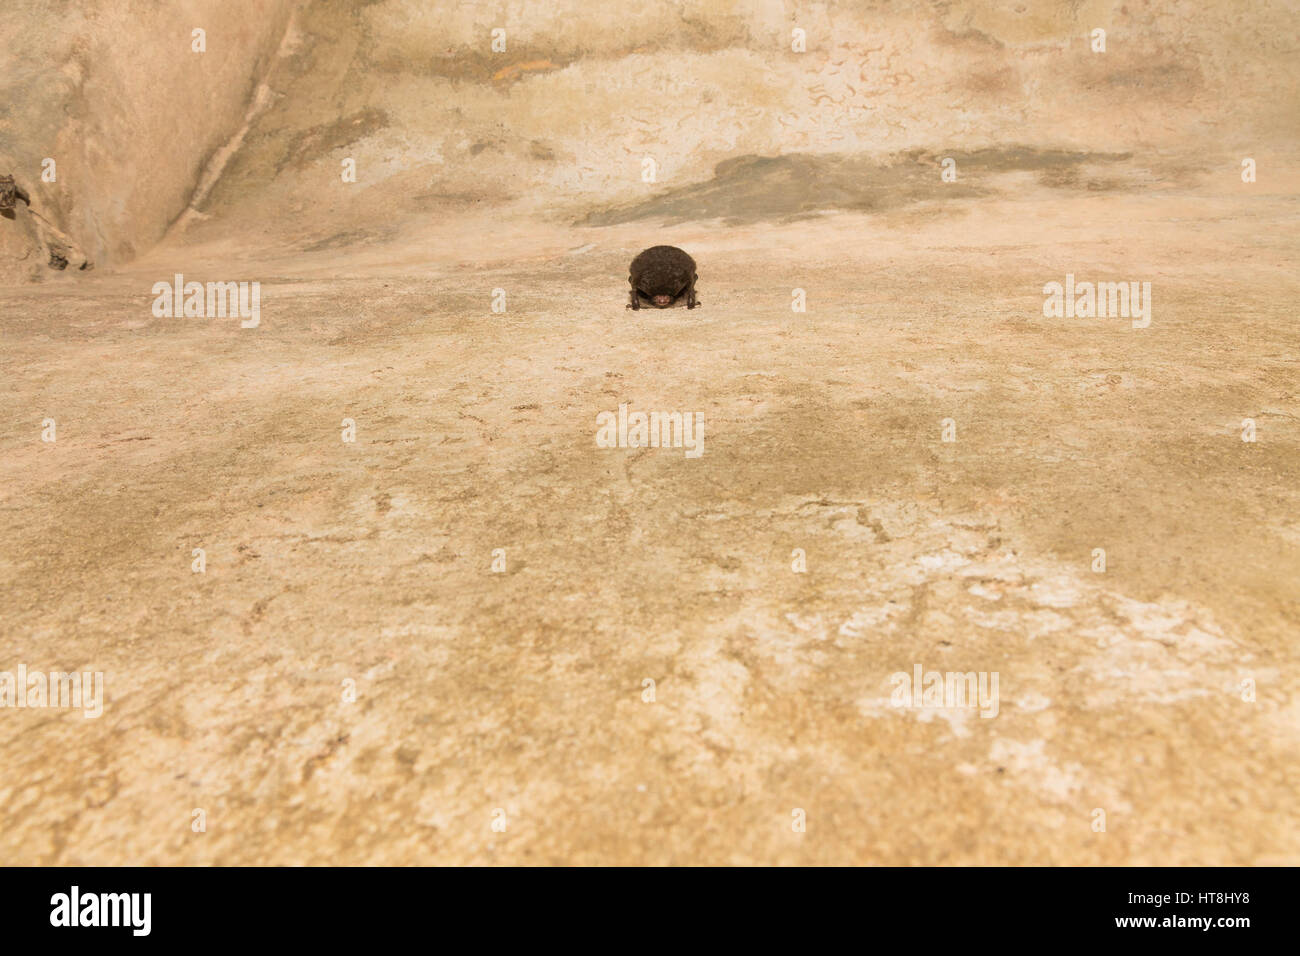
<point x="662" y="301"/>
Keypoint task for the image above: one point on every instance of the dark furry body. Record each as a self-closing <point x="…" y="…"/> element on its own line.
<point x="662" y="270"/>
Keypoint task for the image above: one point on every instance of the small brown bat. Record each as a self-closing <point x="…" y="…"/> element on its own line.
<point x="10" y="193"/>
<point x="660" y="277"/>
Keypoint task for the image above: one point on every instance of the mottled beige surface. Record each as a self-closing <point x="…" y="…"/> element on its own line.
<point x="522" y="691"/>
<point x="113" y="92"/>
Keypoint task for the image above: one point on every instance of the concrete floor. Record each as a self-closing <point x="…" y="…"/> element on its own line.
<point x="350" y="681"/>
<point x="523" y="691"/>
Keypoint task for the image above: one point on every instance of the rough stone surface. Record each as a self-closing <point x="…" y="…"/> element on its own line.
<point x="522" y="691"/>
<point x="114" y="93"/>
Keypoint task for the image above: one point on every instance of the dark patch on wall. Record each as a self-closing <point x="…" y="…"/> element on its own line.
<point x="751" y="189"/>
<point x="479" y="64"/>
<point x="1174" y="77"/>
<point x="352" y="237"/>
<point x="310" y="144"/>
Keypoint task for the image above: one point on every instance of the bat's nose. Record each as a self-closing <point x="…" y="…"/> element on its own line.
<point x="663" y="300"/>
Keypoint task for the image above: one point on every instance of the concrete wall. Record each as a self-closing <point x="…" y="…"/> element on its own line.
<point x="112" y="91"/>
<point x="559" y="123"/>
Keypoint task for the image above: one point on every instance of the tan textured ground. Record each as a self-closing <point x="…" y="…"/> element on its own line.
<point x="522" y="691"/>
